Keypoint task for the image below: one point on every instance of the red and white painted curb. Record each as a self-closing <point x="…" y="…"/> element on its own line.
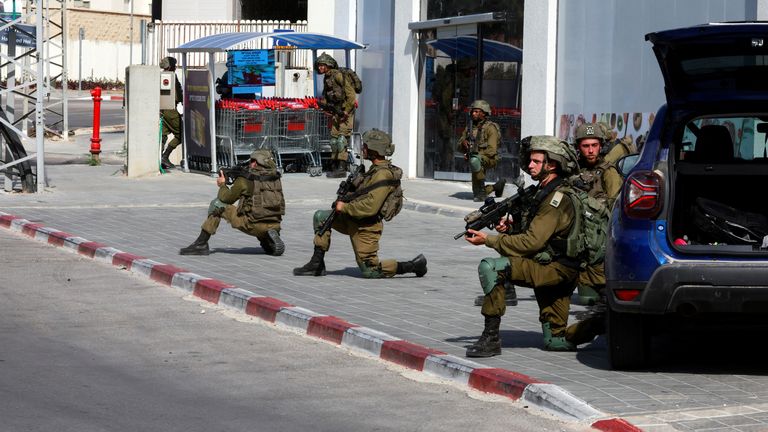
<point x="335" y="330"/>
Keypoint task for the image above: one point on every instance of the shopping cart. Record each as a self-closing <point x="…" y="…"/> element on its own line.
<point x="294" y="140"/>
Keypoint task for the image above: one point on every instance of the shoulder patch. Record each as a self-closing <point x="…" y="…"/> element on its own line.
<point x="556" y="199"/>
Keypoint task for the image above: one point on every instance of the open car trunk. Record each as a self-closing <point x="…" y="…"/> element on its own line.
<point x="720" y="174"/>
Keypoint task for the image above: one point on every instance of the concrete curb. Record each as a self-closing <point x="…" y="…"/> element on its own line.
<point x="516" y="386"/>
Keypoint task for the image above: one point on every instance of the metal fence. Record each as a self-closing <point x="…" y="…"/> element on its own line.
<point x="164" y="35"/>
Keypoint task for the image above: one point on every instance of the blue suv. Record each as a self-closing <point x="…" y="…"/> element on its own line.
<point x="688" y="240"/>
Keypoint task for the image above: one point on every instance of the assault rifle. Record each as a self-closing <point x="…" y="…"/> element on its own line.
<point x="345" y="187"/>
<point x="333" y="109"/>
<point x="232" y="173"/>
<point x="491" y="212"/>
<point x="470" y="142"/>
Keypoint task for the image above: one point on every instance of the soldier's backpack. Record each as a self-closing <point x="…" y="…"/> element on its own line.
<point x="589" y="234"/>
<point x="394" y="202"/>
<point x="351" y="75"/>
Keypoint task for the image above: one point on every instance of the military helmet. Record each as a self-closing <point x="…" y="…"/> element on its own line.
<point x="379" y="141"/>
<point x="168" y="63"/>
<point x="481" y="105"/>
<point x="590" y="130"/>
<point x="264" y="158"/>
<point x="555" y="148"/>
<point x="326" y="60"/>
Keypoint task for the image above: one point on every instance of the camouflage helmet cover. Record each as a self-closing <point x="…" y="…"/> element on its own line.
<point x="379" y="141"/>
<point x="590" y="130"/>
<point x="264" y="158"/>
<point x="326" y="60"/>
<point x="168" y="63"/>
<point x="555" y="148"/>
<point x="481" y="105"/>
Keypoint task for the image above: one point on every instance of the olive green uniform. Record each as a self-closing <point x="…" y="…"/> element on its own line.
<point x="339" y="93"/>
<point x="172" y="122"/>
<point x="360" y="220"/>
<point x="604" y="183"/>
<point x="622" y="147"/>
<point x="552" y="281"/>
<point x="484" y="139"/>
<point x="251" y="215"/>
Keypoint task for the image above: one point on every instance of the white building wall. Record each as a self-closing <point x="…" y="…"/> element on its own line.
<point x="539" y="66"/>
<point x="199" y="10"/>
<point x="605" y="68"/>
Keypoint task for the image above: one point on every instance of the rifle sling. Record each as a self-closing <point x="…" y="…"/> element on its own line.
<point x="365" y="190"/>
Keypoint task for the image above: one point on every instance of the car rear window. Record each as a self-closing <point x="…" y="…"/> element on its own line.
<point x="725" y="140"/>
<point x="720" y="64"/>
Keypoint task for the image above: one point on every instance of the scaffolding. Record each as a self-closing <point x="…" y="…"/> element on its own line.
<point x="36" y="42"/>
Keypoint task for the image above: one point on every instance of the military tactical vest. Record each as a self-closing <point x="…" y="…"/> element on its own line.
<point x="267" y="202"/>
<point x="394" y="202"/>
<point x="591" y="180"/>
<point x="476" y="136"/>
<point x="333" y="92"/>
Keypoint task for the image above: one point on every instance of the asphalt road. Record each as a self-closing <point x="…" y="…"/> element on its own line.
<point x="84" y="347"/>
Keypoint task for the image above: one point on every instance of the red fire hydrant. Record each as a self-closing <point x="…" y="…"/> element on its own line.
<point x="95" y="140"/>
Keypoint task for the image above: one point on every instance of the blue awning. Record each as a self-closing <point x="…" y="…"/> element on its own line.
<point x="226" y="41"/>
<point x="466" y="46"/>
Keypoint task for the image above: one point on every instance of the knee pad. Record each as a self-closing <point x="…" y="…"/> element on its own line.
<point x="216" y="207"/>
<point x="370" y="272"/>
<point x="488" y="272"/>
<point x="319" y="217"/>
<point x="475" y="163"/>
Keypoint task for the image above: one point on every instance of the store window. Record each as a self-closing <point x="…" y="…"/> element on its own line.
<point x="465" y="62"/>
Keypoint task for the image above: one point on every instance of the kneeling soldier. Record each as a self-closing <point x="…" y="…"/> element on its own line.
<point x="537" y="256"/>
<point x="260" y="207"/>
<point x="373" y="196"/>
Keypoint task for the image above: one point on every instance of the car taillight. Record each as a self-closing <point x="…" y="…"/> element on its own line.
<point x="642" y="197"/>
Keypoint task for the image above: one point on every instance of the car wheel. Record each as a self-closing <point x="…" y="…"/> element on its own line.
<point x="628" y="340"/>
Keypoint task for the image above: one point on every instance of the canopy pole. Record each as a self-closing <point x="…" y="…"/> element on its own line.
<point x="185" y="118"/>
<point x="314" y="72"/>
<point x="212" y="111"/>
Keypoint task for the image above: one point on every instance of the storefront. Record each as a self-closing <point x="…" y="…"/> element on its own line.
<point x="464" y="58"/>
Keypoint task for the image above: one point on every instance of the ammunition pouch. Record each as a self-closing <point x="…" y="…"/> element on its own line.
<point x="488" y="272"/>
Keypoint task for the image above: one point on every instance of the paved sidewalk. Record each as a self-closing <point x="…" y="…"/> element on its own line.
<point x="143" y="222"/>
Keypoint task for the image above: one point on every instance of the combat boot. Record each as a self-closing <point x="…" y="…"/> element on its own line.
<point x="555" y="343"/>
<point x="165" y="162"/>
<point x="340" y="171"/>
<point x="274" y="244"/>
<point x="489" y="344"/>
<point x="417" y="265"/>
<point x="510" y="296"/>
<point x="315" y="266"/>
<point x="199" y="246"/>
<point x="498" y="188"/>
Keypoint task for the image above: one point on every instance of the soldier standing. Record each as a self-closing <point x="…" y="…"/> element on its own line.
<point x="536" y="256"/>
<point x="603" y="182"/>
<point x="376" y="196"/>
<point x="339" y="102"/>
<point x="171" y="117"/>
<point x="480" y="144"/>
<point x="260" y="207"/>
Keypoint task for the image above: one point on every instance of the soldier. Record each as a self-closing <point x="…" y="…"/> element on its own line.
<point x="260" y="207"/>
<point x="614" y="149"/>
<point x="377" y="196"/>
<point x="536" y="256"/>
<point x="339" y="101"/>
<point x="602" y="181"/>
<point x="171" y="118"/>
<point x="480" y="144"/>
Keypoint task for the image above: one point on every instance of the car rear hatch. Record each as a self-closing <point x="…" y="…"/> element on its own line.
<point x="712" y="62"/>
<point x="716" y="89"/>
